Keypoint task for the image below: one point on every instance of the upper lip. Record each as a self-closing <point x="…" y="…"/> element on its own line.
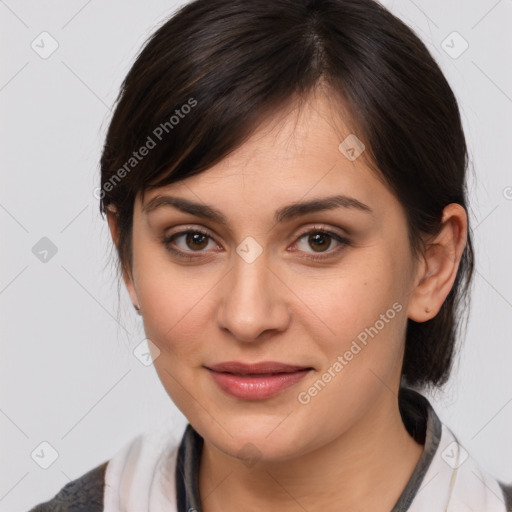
<point x="255" y="368"/>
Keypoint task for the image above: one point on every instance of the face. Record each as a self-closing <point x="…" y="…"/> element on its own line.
<point x="324" y="291"/>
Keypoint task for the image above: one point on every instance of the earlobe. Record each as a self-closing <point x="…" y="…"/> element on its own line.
<point x="440" y="264"/>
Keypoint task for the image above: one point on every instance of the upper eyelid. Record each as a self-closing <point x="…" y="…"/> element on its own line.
<point x="316" y="227"/>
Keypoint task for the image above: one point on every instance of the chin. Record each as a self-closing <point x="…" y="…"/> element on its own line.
<point x="252" y="438"/>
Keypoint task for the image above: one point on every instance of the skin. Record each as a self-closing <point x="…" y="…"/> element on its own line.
<point x="347" y="448"/>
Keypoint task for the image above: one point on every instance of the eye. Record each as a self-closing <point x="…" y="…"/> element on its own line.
<point x="196" y="240"/>
<point x="321" y="239"/>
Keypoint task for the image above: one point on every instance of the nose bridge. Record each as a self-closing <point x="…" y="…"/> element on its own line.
<point x="251" y="301"/>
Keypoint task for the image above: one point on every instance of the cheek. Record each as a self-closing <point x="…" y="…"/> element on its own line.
<point x="169" y="296"/>
<point x="366" y="315"/>
<point x="368" y="319"/>
<point x="172" y="321"/>
<point x="357" y="299"/>
<point x="173" y="315"/>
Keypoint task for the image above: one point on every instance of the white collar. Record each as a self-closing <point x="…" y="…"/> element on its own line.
<point x="141" y="475"/>
<point x="454" y="482"/>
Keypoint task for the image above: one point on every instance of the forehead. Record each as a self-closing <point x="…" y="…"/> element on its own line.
<point x="300" y="153"/>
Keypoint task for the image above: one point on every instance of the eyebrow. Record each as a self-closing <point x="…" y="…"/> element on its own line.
<point x="282" y="214"/>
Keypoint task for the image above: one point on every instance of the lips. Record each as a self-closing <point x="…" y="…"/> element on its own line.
<point x="265" y="367"/>
<point x="256" y="381"/>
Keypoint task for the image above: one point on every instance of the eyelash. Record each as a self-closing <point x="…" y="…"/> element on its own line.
<point x="316" y="230"/>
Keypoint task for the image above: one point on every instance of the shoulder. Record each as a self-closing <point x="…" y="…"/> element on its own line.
<point x="84" y="494"/>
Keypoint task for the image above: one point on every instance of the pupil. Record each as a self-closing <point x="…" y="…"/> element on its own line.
<point x="193" y="238"/>
<point x="318" y="236"/>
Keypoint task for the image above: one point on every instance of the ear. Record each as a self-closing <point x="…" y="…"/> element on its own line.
<point x="113" y="225"/>
<point x="440" y="262"/>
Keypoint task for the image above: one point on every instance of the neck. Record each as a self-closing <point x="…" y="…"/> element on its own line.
<point x="351" y="472"/>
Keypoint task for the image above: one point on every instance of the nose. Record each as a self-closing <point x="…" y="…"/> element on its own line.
<point x="253" y="305"/>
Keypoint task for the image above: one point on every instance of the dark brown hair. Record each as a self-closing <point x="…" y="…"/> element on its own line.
<point x="208" y="75"/>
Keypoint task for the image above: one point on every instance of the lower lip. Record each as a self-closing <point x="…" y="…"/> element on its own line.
<point x="256" y="388"/>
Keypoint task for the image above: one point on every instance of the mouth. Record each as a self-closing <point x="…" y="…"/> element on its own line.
<point x="256" y="381"/>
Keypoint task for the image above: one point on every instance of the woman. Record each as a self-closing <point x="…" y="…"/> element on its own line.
<point x="284" y="183"/>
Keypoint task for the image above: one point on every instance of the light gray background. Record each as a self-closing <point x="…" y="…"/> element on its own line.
<point x="68" y="374"/>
